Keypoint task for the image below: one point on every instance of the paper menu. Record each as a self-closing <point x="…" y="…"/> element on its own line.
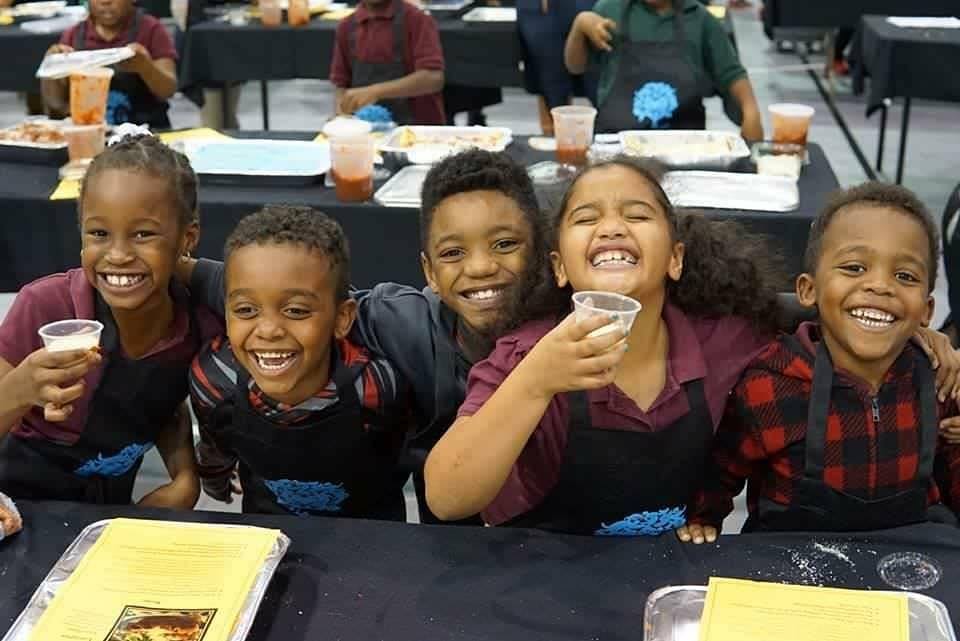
<point x="738" y="610"/>
<point x="158" y="581"/>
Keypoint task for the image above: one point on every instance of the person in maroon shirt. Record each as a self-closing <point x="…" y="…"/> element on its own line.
<point x="388" y="53"/>
<point x="835" y="428"/>
<point x="142" y="85"/>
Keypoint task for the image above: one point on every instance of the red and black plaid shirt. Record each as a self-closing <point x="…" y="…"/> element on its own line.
<point x="761" y="437"/>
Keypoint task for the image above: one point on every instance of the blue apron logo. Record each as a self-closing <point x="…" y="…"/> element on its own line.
<point x="116" y="465"/>
<point x="119" y="108"/>
<point x="646" y="523"/>
<point x="655" y="101"/>
<point x="303" y="497"/>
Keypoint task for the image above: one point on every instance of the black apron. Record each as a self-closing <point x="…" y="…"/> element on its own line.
<point x="646" y="62"/>
<point x="329" y="466"/>
<point x="130" y="98"/>
<point x="133" y="402"/>
<point x="365" y="74"/>
<point x="818" y="507"/>
<point x="625" y="483"/>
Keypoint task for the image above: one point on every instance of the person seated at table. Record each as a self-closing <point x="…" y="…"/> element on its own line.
<point x="74" y="425"/>
<point x="479" y="225"/>
<point x="312" y="420"/>
<point x="388" y="53"/>
<point x="141" y="85"/>
<point x="835" y="427"/>
<point x="657" y="60"/>
<point x="527" y="448"/>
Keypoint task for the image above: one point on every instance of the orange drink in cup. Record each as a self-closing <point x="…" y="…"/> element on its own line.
<point x="89" y="90"/>
<point x="573" y="130"/>
<point x="791" y="123"/>
<point x="351" y="156"/>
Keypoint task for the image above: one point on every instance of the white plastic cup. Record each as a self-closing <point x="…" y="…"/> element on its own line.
<point x="351" y="158"/>
<point x="791" y="122"/>
<point x="84" y="141"/>
<point x="89" y="90"/>
<point x="72" y="334"/>
<point x="592" y="303"/>
<point x="573" y="131"/>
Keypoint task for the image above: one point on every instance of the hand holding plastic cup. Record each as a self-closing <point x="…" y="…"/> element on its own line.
<point x="89" y="90"/>
<point x="791" y="122"/>
<point x="622" y="310"/>
<point x="72" y="334"/>
<point x="573" y="130"/>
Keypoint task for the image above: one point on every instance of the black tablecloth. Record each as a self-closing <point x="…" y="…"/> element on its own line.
<point x="476" y="55"/>
<point x="846" y="13"/>
<point x="21" y="53"/>
<point x="39" y="236"/>
<point x="351" y="579"/>
<point x="915" y="63"/>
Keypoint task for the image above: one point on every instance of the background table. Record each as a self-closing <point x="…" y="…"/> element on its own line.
<point x="39" y="236"/>
<point x="833" y="14"/>
<point x="21" y="52"/>
<point x="352" y="579"/>
<point x="907" y="63"/>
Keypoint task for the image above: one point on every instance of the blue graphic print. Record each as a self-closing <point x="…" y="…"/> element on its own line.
<point x="119" y="108"/>
<point x="655" y="101"/>
<point x="646" y="523"/>
<point x="116" y="465"/>
<point x="374" y="113"/>
<point x="303" y="497"/>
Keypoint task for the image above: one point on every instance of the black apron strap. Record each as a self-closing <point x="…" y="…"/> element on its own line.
<point x="399" y="32"/>
<point x="134" y="30"/>
<point x="352" y="36"/>
<point x="928" y="432"/>
<point x="80" y="36"/>
<point x="817" y="414"/>
<point x="579" y="404"/>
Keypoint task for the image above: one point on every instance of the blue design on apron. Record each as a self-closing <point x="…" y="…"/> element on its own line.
<point x="115" y="465"/>
<point x="646" y="523"/>
<point x="119" y="107"/>
<point x="303" y="497"/>
<point x="656" y="102"/>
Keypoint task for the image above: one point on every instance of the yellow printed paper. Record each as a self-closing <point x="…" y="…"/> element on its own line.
<point x="337" y="14"/>
<point x="200" y="133"/>
<point x="718" y="11"/>
<point x="158" y="581"/>
<point x="66" y="190"/>
<point x="755" y="611"/>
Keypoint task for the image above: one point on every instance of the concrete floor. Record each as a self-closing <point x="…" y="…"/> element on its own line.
<point x="305" y="105"/>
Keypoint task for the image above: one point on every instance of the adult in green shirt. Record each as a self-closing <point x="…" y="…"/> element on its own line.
<point x="657" y="60"/>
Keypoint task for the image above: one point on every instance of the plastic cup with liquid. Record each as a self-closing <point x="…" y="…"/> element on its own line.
<point x="351" y="156"/>
<point x="622" y="310"/>
<point x="791" y="122"/>
<point x="89" y="90"/>
<point x="84" y="141"/>
<point x="271" y="15"/>
<point x="573" y="130"/>
<point x="298" y="13"/>
<point x="72" y="334"/>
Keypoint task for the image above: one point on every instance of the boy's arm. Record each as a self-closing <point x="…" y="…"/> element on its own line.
<point x="56" y="91"/>
<point x="175" y="444"/>
<point x="751" y="129"/>
<point x="589" y="29"/>
<point x="419" y="83"/>
<point x="215" y="465"/>
<point x="205" y="281"/>
<point x="728" y="76"/>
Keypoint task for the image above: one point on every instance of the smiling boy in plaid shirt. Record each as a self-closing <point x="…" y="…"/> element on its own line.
<point x="835" y="428"/>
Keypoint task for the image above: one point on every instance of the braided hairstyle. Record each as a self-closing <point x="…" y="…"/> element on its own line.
<point x="147" y="154"/>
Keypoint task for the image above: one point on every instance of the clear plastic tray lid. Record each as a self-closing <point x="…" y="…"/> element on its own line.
<point x="403" y="189"/>
<point x="61" y="65"/>
<point x="725" y="190"/>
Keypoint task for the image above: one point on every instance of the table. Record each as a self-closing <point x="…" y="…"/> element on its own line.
<point x="39" y="236"/>
<point x="907" y="63"/>
<point x="353" y="579"/>
<point x="21" y="52"/>
<point x="831" y="14"/>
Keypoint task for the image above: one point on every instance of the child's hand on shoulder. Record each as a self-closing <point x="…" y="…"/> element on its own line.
<point x="568" y="358"/>
<point x="696" y="533"/>
<point x="597" y="29"/>
<point x="944" y="359"/>
<point x="52" y="380"/>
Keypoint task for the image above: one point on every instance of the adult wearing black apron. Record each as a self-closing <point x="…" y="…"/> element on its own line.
<point x="647" y="72"/>
<point x="364" y="74"/>
<point x="132" y="404"/>
<point x="818" y="507"/>
<point x="625" y="483"/>
<point x="332" y="465"/>
<point x="130" y="98"/>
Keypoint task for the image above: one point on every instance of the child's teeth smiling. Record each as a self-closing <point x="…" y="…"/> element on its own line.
<point x="873" y="318"/>
<point x="123" y="280"/>
<point x="613" y="257"/>
<point x="273" y="361"/>
<point x="483" y="294"/>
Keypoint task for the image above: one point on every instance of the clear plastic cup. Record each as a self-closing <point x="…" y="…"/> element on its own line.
<point x="67" y="335"/>
<point x="89" y="90"/>
<point x="351" y="155"/>
<point x="911" y="571"/>
<point x="590" y="303"/>
<point x="271" y="15"/>
<point x="84" y="141"/>
<point x="573" y="130"/>
<point x="791" y="122"/>
<point x="298" y="13"/>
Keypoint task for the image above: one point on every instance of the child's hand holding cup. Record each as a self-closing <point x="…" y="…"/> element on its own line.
<point x="621" y="309"/>
<point x="52" y="377"/>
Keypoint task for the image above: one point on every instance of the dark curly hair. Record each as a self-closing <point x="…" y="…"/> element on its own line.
<point x="149" y="155"/>
<point x="475" y="170"/>
<point x="874" y="194"/>
<point x="726" y="270"/>
<point x="296" y="225"/>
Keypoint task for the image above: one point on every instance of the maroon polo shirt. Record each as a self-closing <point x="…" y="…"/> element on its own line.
<point x="152" y="35"/>
<point x="375" y="44"/>
<point x="713" y="350"/>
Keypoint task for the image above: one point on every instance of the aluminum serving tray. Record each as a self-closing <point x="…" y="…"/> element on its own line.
<point x="673" y="614"/>
<point x="275" y="162"/>
<point x="68" y="562"/>
<point x="33" y="153"/>
<point x="723" y="190"/>
<point x="432" y="144"/>
<point x="667" y="147"/>
<point x="403" y="188"/>
<point x="491" y="14"/>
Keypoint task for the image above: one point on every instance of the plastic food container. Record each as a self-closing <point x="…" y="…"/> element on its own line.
<point x="89" y="90"/>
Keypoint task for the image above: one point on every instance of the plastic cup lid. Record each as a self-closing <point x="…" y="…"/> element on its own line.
<point x="792" y="110"/>
<point x="346" y="128"/>
<point x="910" y="571"/>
